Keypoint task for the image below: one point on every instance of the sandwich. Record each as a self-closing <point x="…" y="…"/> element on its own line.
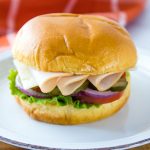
<point x="71" y="68"/>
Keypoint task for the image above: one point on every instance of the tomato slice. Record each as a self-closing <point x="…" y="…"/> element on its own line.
<point x="96" y="100"/>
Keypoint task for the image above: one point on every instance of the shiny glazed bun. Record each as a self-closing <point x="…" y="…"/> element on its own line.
<point x="80" y="44"/>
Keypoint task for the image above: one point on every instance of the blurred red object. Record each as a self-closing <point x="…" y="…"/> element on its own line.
<point x="14" y="13"/>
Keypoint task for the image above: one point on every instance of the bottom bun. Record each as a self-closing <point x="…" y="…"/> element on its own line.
<point x="68" y="115"/>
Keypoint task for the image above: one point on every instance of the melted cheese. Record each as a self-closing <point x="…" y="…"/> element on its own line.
<point x="66" y="82"/>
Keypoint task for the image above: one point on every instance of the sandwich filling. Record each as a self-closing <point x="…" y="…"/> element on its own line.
<point x="82" y="91"/>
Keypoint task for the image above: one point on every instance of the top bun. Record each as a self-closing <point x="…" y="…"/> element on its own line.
<point x="79" y="44"/>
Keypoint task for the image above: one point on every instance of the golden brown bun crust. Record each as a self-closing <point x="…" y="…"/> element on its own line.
<point x="81" y="44"/>
<point x="68" y="115"/>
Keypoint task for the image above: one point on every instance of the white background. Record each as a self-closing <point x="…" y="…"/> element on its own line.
<point x="140" y="29"/>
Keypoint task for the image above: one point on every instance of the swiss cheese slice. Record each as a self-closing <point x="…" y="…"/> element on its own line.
<point x="25" y="75"/>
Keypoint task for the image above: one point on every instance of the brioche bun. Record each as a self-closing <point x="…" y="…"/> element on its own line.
<point x="68" y="115"/>
<point x="79" y="44"/>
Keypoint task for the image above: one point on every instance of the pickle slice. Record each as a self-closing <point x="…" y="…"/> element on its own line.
<point x="82" y="87"/>
<point x="55" y="92"/>
<point x="120" y="85"/>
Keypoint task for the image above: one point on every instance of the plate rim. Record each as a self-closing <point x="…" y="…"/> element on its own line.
<point x="7" y="54"/>
<point x="38" y="147"/>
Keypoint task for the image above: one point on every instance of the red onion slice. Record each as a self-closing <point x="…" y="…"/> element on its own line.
<point x="30" y="92"/>
<point x="98" y="94"/>
<point x="96" y="97"/>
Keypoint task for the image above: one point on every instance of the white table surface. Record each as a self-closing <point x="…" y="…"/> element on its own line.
<point x="140" y="29"/>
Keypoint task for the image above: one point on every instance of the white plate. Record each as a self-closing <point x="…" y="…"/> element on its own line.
<point x="128" y="128"/>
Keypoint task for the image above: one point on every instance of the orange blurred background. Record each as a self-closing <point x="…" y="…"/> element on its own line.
<point x="14" y="13"/>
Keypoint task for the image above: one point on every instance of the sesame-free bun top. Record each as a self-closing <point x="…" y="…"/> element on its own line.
<point x="80" y="44"/>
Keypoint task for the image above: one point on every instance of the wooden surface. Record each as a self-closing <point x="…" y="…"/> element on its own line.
<point x="4" y="146"/>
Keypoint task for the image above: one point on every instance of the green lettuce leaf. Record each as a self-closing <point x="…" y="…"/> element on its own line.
<point x="56" y="100"/>
<point x="127" y="75"/>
